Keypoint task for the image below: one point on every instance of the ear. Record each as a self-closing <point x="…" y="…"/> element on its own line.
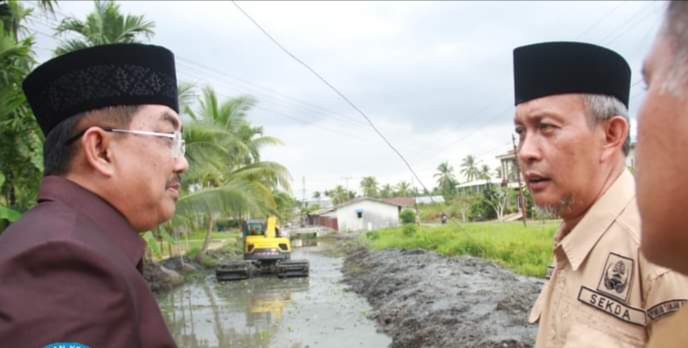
<point x="615" y="132"/>
<point x="96" y="145"/>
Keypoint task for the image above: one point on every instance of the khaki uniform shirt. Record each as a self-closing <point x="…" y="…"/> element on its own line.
<point x="601" y="292"/>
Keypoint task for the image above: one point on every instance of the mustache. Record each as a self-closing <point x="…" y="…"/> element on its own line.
<point x="174" y="181"/>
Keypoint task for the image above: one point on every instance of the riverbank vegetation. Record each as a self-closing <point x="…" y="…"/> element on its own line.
<point x="525" y="250"/>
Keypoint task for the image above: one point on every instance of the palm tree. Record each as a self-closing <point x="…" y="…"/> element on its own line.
<point x="446" y="181"/>
<point x="339" y="195"/>
<point x="226" y="174"/>
<point x="403" y="189"/>
<point x="369" y="186"/>
<point x="485" y="172"/>
<point x="386" y="191"/>
<point x="13" y="14"/>
<point x="469" y="168"/>
<point x="105" y="25"/>
<point x="21" y="140"/>
<point x="187" y="95"/>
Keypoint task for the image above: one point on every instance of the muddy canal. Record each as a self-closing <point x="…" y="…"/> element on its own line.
<point x="270" y="312"/>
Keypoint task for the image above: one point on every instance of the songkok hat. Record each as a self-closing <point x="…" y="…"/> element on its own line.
<point x="101" y="76"/>
<point x="553" y="68"/>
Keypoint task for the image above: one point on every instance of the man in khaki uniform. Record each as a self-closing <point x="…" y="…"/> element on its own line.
<point x="662" y="182"/>
<point x="571" y="118"/>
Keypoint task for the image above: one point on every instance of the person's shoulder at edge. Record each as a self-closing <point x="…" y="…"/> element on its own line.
<point x="57" y="284"/>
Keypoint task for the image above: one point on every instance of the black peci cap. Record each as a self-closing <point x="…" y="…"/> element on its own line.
<point x="552" y="68"/>
<point x="101" y="76"/>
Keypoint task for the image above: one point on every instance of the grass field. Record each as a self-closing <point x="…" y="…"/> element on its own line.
<point x="527" y="251"/>
<point x="191" y="244"/>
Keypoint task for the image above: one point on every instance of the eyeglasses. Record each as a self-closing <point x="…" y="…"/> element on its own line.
<point x="178" y="143"/>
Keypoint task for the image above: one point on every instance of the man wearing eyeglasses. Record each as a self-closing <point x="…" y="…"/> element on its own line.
<point x="70" y="269"/>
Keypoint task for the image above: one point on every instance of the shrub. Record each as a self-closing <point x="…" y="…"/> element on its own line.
<point x="372" y="235"/>
<point x="409" y="230"/>
<point x="407" y="216"/>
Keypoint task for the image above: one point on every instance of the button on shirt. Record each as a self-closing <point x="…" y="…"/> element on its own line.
<point x="601" y="292"/>
<point x="70" y="271"/>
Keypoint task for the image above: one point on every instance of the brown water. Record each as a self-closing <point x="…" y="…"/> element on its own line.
<point x="272" y="312"/>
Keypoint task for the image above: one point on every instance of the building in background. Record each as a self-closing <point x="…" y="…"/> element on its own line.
<point x="357" y="215"/>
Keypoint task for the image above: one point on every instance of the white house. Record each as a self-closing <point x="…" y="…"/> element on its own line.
<point x="360" y="214"/>
<point x="365" y="214"/>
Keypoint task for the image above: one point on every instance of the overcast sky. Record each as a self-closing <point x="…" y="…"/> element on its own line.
<point x="435" y="77"/>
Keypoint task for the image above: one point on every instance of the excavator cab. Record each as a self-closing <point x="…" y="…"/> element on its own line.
<point x="264" y="253"/>
<point x="261" y="242"/>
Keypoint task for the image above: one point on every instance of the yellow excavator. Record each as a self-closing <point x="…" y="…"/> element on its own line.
<point x="265" y="252"/>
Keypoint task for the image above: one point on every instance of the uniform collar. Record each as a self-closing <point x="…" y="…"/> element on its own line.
<point x="580" y="241"/>
<point x="114" y="226"/>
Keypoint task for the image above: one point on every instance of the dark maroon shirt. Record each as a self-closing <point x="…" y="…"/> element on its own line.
<point x="70" y="271"/>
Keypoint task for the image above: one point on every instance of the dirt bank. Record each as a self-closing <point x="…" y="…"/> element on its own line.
<point x="173" y="272"/>
<point x="422" y="299"/>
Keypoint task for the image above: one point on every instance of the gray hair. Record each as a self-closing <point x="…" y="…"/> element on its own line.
<point x="675" y="29"/>
<point x="58" y="154"/>
<point x="603" y="107"/>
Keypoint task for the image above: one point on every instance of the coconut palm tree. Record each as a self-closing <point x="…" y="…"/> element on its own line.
<point x="403" y="189"/>
<point x="469" y="168"/>
<point x="105" y="25"/>
<point x="386" y="191"/>
<point x="21" y="140"/>
<point x="485" y="172"/>
<point x="369" y="186"/>
<point x="446" y="181"/>
<point x="226" y="175"/>
<point x="339" y="195"/>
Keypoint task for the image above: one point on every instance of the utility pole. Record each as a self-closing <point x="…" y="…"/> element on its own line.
<point x="521" y="200"/>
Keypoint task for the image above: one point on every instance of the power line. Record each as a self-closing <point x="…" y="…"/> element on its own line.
<point x="299" y="120"/>
<point x="601" y="19"/>
<point x="276" y="101"/>
<point x="408" y="165"/>
<point x="242" y="90"/>
<point x="256" y="89"/>
<point x="269" y="90"/>
<point x="219" y="93"/>
<point x="621" y="30"/>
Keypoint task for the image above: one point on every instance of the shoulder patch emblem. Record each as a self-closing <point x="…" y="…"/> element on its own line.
<point x="617" y="276"/>
<point x="665" y="308"/>
<point x="612" y="306"/>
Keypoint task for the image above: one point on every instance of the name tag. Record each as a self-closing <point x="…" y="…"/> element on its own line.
<point x="611" y="306"/>
<point x="664" y="308"/>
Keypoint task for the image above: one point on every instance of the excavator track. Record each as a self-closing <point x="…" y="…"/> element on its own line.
<point x="293" y="268"/>
<point x="234" y="271"/>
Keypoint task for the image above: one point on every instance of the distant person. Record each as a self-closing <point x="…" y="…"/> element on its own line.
<point x="572" y="121"/>
<point x="70" y="269"/>
<point x="662" y="167"/>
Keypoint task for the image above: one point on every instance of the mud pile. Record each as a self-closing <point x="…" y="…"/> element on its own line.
<point x="422" y="299"/>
